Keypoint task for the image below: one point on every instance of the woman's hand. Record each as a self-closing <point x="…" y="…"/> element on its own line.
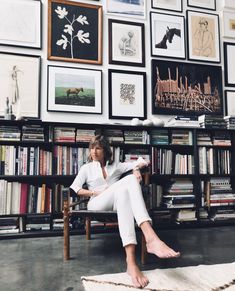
<point x="136" y="173"/>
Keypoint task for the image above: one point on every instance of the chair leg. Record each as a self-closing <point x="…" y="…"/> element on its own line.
<point x="66" y="235"/>
<point x="88" y="228"/>
<point x="143" y="250"/>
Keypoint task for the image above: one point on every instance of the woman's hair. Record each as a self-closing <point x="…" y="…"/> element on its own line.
<point x="100" y="140"/>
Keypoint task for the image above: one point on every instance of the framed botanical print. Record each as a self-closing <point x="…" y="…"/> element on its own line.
<point x="173" y="5"/>
<point x="126" y="43"/>
<point x="74" y="90"/>
<point x="127" y="94"/>
<point x="167" y="35"/>
<point x="203" y="4"/>
<point x="203" y="36"/>
<point x="74" y="32"/>
<point x="229" y="68"/>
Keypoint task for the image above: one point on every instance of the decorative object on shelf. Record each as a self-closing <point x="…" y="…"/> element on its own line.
<point x="8" y="111"/>
<point x="186" y="88"/>
<point x="136" y="121"/>
<point x="134" y="9"/>
<point x="147" y="122"/>
<point x="167" y="35"/>
<point x="230" y="102"/>
<point x="20" y="23"/>
<point x="203" y="36"/>
<point x="157" y="121"/>
<point x="126" y="43"/>
<point x="74" y="32"/>
<point x="228" y="24"/>
<point x="74" y="90"/>
<point x="209" y="4"/>
<point x="229" y="69"/>
<point x="20" y="81"/>
<point x="175" y="5"/>
<point x="127" y="94"/>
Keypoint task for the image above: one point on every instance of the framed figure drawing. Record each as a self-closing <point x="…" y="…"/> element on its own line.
<point x="127" y="94"/>
<point x="74" y="32"/>
<point x="20" y="85"/>
<point x="203" y="4"/>
<point x="74" y="90"/>
<point x="186" y="88"/>
<point x="126" y="43"/>
<point x="203" y="36"/>
<point x="172" y="5"/>
<point x="127" y="8"/>
<point x="167" y="35"/>
<point x="20" y="23"/>
<point x="229" y="68"/>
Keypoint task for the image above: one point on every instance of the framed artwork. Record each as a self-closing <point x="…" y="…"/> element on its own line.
<point x="127" y="8"/>
<point x="203" y="4"/>
<point x="20" y="85"/>
<point x="74" y="90"/>
<point x="229" y="68"/>
<point x="126" y="43"/>
<point x="127" y="94"/>
<point x="229" y="102"/>
<point x="167" y="35"/>
<point x="203" y="36"/>
<point x="172" y="5"/>
<point x="74" y="32"/>
<point x="229" y="24"/>
<point x="186" y="88"/>
<point x="20" y="23"/>
<point x="229" y="4"/>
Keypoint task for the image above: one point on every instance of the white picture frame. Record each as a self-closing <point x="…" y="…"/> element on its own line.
<point x="228" y="4"/>
<point x="203" y="4"/>
<point x="172" y="5"/>
<point x="20" y="23"/>
<point x="230" y="102"/>
<point x="228" y="24"/>
<point x="127" y="9"/>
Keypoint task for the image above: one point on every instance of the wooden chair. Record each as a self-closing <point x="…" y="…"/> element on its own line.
<point x="88" y="215"/>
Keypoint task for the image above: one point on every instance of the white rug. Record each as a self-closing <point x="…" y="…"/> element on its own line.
<point x="195" y="278"/>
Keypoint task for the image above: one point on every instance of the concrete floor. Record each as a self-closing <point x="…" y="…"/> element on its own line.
<point x="37" y="264"/>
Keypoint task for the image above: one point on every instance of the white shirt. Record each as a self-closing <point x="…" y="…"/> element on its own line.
<point x="91" y="174"/>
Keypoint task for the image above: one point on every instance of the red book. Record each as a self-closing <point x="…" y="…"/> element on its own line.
<point x="23" y="198"/>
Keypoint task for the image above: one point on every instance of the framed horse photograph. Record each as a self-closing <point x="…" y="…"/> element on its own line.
<point x="167" y="35"/>
<point x="74" y="90"/>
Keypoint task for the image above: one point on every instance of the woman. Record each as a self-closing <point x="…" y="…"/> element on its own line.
<point x="107" y="192"/>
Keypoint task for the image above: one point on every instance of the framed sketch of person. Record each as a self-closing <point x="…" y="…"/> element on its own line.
<point x="167" y="35"/>
<point x="126" y="43"/>
<point x="203" y="36"/>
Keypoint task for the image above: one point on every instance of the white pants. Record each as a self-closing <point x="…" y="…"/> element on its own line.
<point x="126" y="197"/>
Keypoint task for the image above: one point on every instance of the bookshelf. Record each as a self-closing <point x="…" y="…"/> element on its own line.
<point x="192" y="172"/>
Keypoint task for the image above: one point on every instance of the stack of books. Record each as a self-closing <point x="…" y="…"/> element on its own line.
<point x="182" y="137"/>
<point x="33" y="132"/>
<point x="186" y="215"/>
<point x="159" y="137"/>
<point x="84" y="135"/>
<point x="9" y="133"/>
<point x="64" y="134"/>
<point x="212" y="121"/>
<point x="222" y="138"/>
<point x="136" y="136"/>
<point x="183" y="121"/>
<point x="114" y="135"/>
<point x="230" y="121"/>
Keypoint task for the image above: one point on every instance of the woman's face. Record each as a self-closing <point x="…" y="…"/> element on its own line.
<point x="97" y="153"/>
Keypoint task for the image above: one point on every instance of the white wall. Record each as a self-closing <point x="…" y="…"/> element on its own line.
<point x="95" y="118"/>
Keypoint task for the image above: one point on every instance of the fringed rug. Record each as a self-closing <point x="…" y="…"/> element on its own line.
<point x="194" y="278"/>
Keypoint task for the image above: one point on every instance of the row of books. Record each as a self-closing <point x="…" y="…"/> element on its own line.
<point x="222" y="138"/>
<point x="20" y="160"/>
<point x="21" y="198"/>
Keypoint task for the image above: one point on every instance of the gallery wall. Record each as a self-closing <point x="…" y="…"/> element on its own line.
<point x="135" y="68"/>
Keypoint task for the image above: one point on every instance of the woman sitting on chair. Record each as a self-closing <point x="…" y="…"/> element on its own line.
<point x="107" y="192"/>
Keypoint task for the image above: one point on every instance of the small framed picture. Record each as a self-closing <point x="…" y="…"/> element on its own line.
<point x="229" y="24"/>
<point x="74" y="32"/>
<point x="167" y="35"/>
<point x="74" y="90"/>
<point x="173" y="5"/>
<point x="127" y="8"/>
<point x="127" y="94"/>
<point x="229" y="68"/>
<point x="203" y="37"/>
<point x="208" y="4"/>
<point x="20" y="85"/>
<point x="228" y="4"/>
<point x="20" y="23"/>
<point x="126" y="43"/>
<point x="229" y="102"/>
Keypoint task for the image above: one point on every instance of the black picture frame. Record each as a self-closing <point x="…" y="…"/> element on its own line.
<point x="186" y="88"/>
<point x="74" y="32"/>
<point x="126" y="43"/>
<point x="202" y="5"/>
<point x="127" y="94"/>
<point x="178" y="7"/>
<point x="229" y="51"/>
<point x="229" y="102"/>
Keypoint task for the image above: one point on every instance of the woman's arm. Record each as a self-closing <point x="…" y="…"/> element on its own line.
<point x="86" y="192"/>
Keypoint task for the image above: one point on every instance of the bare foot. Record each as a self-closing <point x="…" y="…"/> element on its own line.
<point x="160" y="249"/>
<point x="138" y="278"/>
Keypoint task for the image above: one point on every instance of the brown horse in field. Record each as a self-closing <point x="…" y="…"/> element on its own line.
<point x="74" y="91"/>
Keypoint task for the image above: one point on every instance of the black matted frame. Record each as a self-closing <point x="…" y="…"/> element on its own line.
<point x="186" y="88"/>
<point x="229" y="71"/>
<point x="127" y="94"/>
<point x="229" y="108"/>
<point x="126" y="43"/>
<point x="165" y="5"/>
<point x="74" y="32"/>
<point x="201" y="4"/>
